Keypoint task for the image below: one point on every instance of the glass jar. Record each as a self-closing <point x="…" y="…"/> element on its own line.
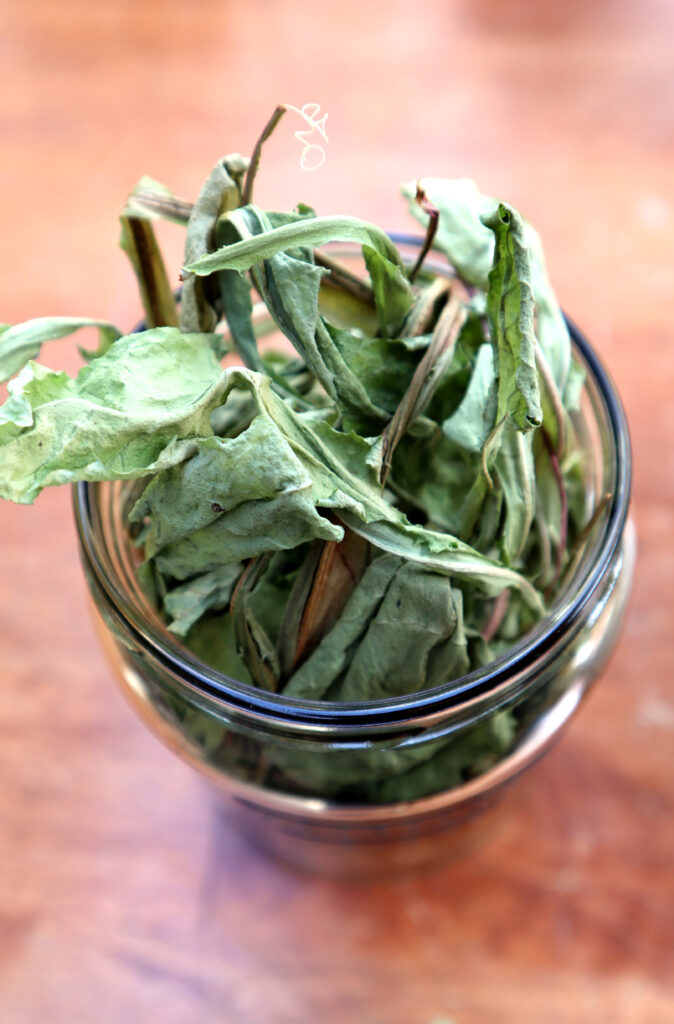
<point x="327" y="785"/>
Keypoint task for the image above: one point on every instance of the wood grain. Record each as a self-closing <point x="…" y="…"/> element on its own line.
<point x="123" y="895"/>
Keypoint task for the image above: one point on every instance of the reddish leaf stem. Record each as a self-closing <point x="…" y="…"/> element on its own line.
<point x="434" y="214"/>
<point x="247" y="193"/>
<point x="564" y="509"/>
<point x="496" y="617"/>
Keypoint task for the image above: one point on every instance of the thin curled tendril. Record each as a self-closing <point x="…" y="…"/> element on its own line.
<point x="313" y="154"/>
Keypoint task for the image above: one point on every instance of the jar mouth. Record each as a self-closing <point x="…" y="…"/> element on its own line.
<point x="533" y="648"/>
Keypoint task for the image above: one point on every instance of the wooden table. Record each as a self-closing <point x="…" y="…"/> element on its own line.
<point x="123" y="895"/>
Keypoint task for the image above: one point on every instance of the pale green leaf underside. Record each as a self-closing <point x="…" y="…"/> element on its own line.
<point x="24" y="341"/>
<point x="221" y="191"/>
<point x="309" y="233"/>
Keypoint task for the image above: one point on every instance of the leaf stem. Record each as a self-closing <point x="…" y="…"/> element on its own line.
<point x="496" y="618"/>
<point x="338" y="570"/>
<point x="247" y="192"/>
<point x="564" y="510"/>
<point x="140" y="245"/>
<point x="555" y="399"/>
<point x="427" y="376"/>
<point x="426" y="310"/>
<point x="252" y="643"/>
<point x="169" y="208"/>
<point x="576" y="552"/>
<point x="344" y="279"/>
<point x="544" y="542"/>
<point x="434" y="215"/>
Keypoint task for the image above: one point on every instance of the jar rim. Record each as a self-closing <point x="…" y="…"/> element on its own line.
<point x="534" y="647"/>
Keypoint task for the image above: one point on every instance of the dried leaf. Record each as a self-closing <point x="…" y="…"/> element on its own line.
<point x="510" y="308"/>
<point x="24" y="341"/>
<point x="130" y="413"/>
<point x="221" y="192"/>
<point x="252" y="643"/>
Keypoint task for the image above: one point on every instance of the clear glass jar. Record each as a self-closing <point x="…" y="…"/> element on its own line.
<point x="276" y="758"/>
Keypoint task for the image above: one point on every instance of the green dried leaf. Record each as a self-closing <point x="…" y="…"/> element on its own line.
<point x="290" y="283"/>
<point x="185" y="604"/>
<point x="236" y="302"/>
<point x="132" y="412"/>
<point x="471" y="424"/>
<point x="383" y="366"/>
<point x="24" y="341"/>
<point x="264" y="490"/>
<point x="574" y="387"/>
<point x="315" y="677"/>
<point x="393" y="770"/>
<point x="516" y="478"/>
<point x="433" y="476"/>
<point x="306" y="234"/>
<point x="212" y="640"/>
<point x="252" y="643"/>
<point x="510" y="308"/>
<point x="392" y="292"/>
<point x="347" y="774"/>
<point x="249" y="529"/>
<point x="221" y="192"/>
<point x="444" y="553"/>
<point x="462" y="236"/>
<point x="414" y="641"/>
<point x="293" y="612"/>
<point x="464" y="756"/>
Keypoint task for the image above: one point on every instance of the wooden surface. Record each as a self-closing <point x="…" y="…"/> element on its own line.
<point x="123" y="895"/>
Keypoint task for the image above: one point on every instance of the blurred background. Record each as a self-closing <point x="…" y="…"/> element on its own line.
<point x="123" y="897"/>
